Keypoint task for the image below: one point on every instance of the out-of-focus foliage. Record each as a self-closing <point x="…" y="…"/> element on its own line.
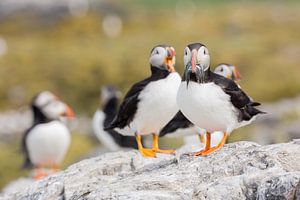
<point x="73" y="57"/>
<point x="12" y="159"/>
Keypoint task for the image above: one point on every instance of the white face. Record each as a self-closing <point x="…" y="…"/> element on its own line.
<point x="50" y="105"/>
<point x="54" y="109"/>
<point x="44" y="98"/>
<point x="224" y="70"/>
<point x="159" y="57"/>
<point x="202" y="57"/>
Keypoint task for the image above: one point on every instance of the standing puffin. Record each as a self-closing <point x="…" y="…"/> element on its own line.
<point x="181" y="126"/>
<point x="211" y="101"/>
<point x="46" y="142"/>
<point x="150" y="103"/>
<point x="111" y="139"/>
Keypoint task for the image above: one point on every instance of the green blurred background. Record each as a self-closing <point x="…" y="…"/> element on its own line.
<point x="74" y="49"/>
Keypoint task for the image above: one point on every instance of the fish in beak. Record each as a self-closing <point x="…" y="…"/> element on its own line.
<point x="170" y="59"/>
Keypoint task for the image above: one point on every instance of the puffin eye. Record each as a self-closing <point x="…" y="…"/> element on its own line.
<point x="204" y="52"/>
<point x="222" y="69"/>
<point x="156" y="52"/>
<point x="185" y="52"/>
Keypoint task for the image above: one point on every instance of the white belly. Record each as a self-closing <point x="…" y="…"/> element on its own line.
<point x="104" y="137"/>
<point x="207" y="106"/>
<point x="48" y="143"/>
<point x="157" y="106"/>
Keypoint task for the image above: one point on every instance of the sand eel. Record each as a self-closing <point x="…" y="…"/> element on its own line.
<point x="46" y="142"/>
<point x="211" y="101"/>
<point x="111" y="139"/>
<point x="181" y="126"/>
<point x="151" y="103"/>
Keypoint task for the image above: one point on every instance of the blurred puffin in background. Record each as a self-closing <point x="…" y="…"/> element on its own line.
<point x="111" y="139"/>
<point x="151" y="103"/>
<point x="180" y="126"/>
<point x="46" y="142"/>
<point x="211" y="101"/>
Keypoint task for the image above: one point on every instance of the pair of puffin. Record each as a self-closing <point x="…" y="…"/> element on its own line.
<point x="206" y="99"/>
<point x="46" y="142"/>
<point x="111" y="139"/>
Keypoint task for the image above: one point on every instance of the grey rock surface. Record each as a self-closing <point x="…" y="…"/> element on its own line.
<point x="242" y="170"/>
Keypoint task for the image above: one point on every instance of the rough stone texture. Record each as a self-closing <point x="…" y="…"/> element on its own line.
<point x="242" y="170"/>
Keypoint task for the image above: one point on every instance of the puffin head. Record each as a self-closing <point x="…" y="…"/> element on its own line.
<point x="109" y="92"/>
<point x="51" y="107"/>
<point x="196" y="61"/>
<point x="163" y="57"/>
<point x="228" y="71"/>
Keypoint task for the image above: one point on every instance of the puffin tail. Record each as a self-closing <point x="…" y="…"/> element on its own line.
<point x="255" y="104"/>
<point x="249" y="111"/>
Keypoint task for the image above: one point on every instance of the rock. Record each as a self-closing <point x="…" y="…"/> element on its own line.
<point x="242" y="170"/>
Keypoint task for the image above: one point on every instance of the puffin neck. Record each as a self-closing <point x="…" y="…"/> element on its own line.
<point x="38" y="116"/>
<point x="159" y="73"/>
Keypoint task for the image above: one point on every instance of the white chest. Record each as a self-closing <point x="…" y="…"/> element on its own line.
<point x="207" y="106"/>
<point x="48" y="143"/>
<point x="157" y="105"/>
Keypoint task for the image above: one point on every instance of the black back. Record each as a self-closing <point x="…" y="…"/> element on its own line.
<point x="177" y="122"/>
<point x="38" y="118"/>
<point x="110" y="110"/>
<point x="129" y="105"/>
<point x="238" y="97"/>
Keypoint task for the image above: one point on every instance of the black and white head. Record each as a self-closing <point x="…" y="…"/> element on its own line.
<point x="109" y="92"/>
<point x="196" y="61"/>
<point x="50" y="106"/>
<point x="228" y="71"/>
<point x="163" y="57"/>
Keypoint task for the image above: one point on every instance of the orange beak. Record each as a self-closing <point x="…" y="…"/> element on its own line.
<point x="236" y="74"/>
<point x="193" y="60"/>
<point x="69" y="112"/>
<point x="170" y="59"/>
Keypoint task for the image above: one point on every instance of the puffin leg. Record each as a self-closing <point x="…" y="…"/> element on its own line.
<point x="142" y="150"/>
<point x="39" y="173"/>
<point x="157" y="149"/>
<point x="219" y="146"/>
<point x="207" y="145"/>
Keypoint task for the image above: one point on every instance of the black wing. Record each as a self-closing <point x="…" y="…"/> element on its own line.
<point x="129" y="106"/>
<point x="238" y="97"/>
<point x="27" y="162"/>
<point x="178" y="121"/>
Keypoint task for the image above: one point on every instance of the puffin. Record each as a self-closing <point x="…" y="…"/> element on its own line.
<point x="111" y="139"/>
<point x="181" y="126"/>
<point x="212" y="101"/>
<point x="46" y="142"/>
<point x="151" y="103"/>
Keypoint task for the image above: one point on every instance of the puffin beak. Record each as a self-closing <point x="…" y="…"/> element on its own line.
<point x="170" y="61"/>
<point x="193" y="60"/>
<point x="194" y="69"/>
<point x="68" y="112"/>
<point x="236" y="76"/>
